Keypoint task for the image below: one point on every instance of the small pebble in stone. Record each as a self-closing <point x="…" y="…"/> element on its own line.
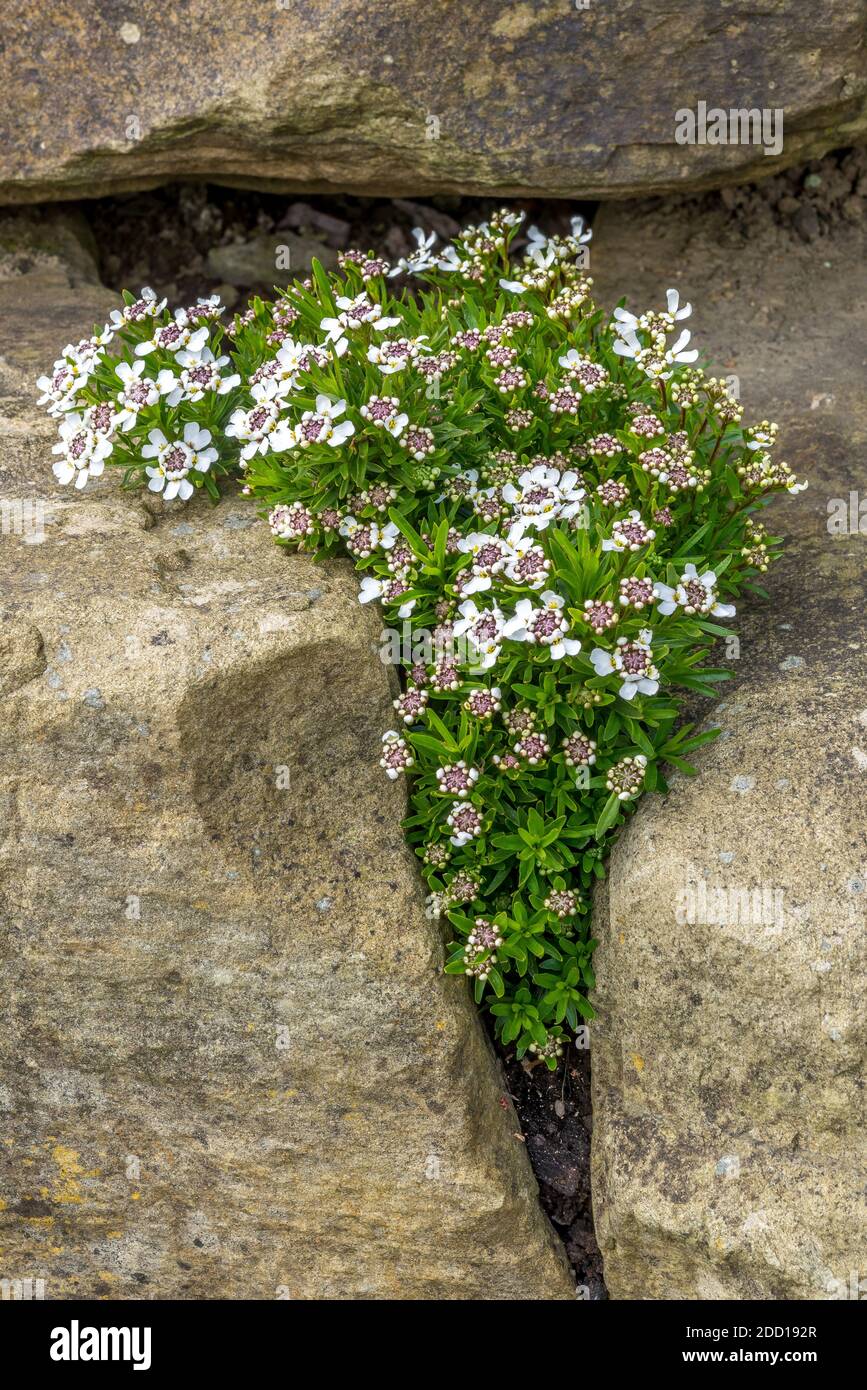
<point x="743" y="783"/>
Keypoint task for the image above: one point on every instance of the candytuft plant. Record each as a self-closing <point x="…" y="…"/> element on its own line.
<point x="554" y="510"/>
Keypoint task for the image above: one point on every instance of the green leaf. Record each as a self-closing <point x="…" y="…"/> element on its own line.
<point x="434" y="722"/>
<point x="425" y="744"/>
<point x="609" y="815"/>
<point x="410" y="535"/>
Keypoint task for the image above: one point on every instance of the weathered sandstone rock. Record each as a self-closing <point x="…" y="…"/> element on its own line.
<point x="728" y="1058"/>
<point x="230" y="1066"/>
<point x="564" y="99"/>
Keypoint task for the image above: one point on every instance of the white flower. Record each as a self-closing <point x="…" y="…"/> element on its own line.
<point x="100" y="339"/>
<point x="541" y="253"/>
<point x="146" y="306"/>
<point x="420" y="259"/>
<point x="167" y="385"/>
<point x="396" y="755"/>
<point x="393" y="356"/>
<point x="572" y="358"/>
<point x="544" y="250"/>
<point x="672" y="301"/>
<point x="86" y="353"/>
<point x="256" y="427"/>
<point x="355" y="313"/>
<point x="762" y="438"/>
<point x="677" y="352"/>
<point x="200" y="372"/>
<point x="372" y="588"/>
<point x="629" y="534"/>
<point x="174" y="336"/>
<point x="290" y="359"/>
<point x="433" y="906"/>
<point x="489" y="555"/>
<point x="138" y="391"/>
<point x="450" y="261"/>
<point x="544" y="495"/>
<point x="694" y="594"/>
<point x="484" y="629"/>
<point x="519" y="547"/>
<point x="395" y="425"/>
<point x="318" y="427"/>
<point x="543" y="256"/>
<point x="388" y="536"/>
<point x="83" y="451"/>
<point x="462" y="483"/>
<point x="632" y="660"/>
<point x="456" y="779"/>
<point x="653" y="360"/>
<point x="539" y="242"/>
<point x="198" y="440"/>
<point x="212" y="306"/>
<point x="518" y="626"/>
<point x="546" y="625"/>
<point x="350" y="528"/>
<point x="175" y="458"/>
<point x="674" y="313"/>
<point x="69" y="375"/>
<point x="465" y="822"/>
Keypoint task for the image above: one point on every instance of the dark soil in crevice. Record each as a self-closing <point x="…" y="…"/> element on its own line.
<point x="163" y="237"/>
<point x="797" y="206"/>
<point x="557" y="1122"/>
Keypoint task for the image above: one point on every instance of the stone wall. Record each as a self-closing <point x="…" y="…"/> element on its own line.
<point x="565" y="99"/>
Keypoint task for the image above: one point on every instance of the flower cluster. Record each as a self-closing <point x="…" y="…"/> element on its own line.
<point x="558" y="507"/>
